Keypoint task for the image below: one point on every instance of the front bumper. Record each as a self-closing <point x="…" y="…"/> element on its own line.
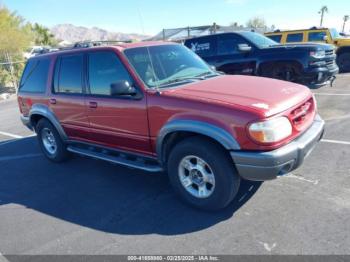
<point x="261" y="166"/>
<point x="319" y="76"/>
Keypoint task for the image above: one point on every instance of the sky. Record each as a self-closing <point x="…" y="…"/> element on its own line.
<point x="151" y="16"/>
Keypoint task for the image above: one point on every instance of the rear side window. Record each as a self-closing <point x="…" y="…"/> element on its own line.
<point x="295" y="38"/>
<point x="276" y="38"/>
<point x="35" y="74"/>
<point x="204" y="46"/>
<point x="69" y="74"/>
<point x="317" y="36"/>
<point x="105" y="68"/>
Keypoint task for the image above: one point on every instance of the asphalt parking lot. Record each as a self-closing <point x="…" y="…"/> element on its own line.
<point x="86" y="206"/>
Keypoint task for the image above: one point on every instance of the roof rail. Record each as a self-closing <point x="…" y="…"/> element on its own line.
<point x="87" y="44"/>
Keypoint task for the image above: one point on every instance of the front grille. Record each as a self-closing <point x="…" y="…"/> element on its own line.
<point x="329" y="52"/>
<point x="330" y="63"/>
<point x="302" y="116"/>
<point x="330" y="58"/>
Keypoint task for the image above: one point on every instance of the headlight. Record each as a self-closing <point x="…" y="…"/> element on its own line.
<point x="270" y="131"/>
<point x="318" y="54"/>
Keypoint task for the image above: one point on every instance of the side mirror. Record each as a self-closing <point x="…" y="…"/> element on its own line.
<point x="244" y="48"/>
<point x="122" y="88"/>
<point x="216" y="70"/>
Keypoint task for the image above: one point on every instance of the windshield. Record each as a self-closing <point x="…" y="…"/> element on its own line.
<point x="164" y="65"/>
<point x="334" y="33"/>
<point x="259" y="40"/>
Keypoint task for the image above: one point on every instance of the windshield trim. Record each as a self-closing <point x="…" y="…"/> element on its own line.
<point x="179" y="85"/>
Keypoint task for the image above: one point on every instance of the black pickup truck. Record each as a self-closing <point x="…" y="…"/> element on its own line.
<point x="250" y="53"/>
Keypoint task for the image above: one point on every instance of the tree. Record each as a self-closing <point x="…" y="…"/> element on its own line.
<point x="15" y="37"/>
<point x="345" y="19"/>
<point x="256" y="22"/>
<point x="42" y="35"/>
<point x="323" y="10"/>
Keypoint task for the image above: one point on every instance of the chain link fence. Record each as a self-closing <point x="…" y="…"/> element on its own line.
<point x="183" y="33"/>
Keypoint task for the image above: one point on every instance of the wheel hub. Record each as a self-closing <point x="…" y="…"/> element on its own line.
<point x="196" y="176"/>
<point x="49" y="141"/>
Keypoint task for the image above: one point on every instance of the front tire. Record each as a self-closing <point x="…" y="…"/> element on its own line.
<point x="281" y="71"/>
<point x="50" y="142"/>
<point x="343" y="62"/>
<point x="202" y="174"/>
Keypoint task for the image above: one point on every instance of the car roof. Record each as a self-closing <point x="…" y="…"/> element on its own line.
<point x="224" y="33"/>
<point x="297" y="30"/>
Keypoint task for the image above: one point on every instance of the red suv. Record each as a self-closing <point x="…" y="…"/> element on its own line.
<point x="159" y="107"/>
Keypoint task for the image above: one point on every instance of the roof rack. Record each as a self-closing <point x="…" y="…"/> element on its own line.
<point x="87" y="44"/>
<point x="292" y="30"/>
<point x="317" y="28"/>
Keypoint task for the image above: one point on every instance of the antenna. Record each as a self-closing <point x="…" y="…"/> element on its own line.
<point x="148" y="52"/>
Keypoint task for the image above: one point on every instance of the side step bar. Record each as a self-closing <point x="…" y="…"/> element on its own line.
<point x="120" y="159"/>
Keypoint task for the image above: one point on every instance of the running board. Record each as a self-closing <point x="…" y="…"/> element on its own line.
<point x="120" y="159"/>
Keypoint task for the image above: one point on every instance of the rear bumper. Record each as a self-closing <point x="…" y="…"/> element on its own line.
<point x="26" y="121"/>
<point x="261" y="166"/>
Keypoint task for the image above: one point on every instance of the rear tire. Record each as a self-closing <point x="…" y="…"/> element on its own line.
<point x="50" y="142"/>
<point x="202" y="174"/>
<point x="343" y="62"/>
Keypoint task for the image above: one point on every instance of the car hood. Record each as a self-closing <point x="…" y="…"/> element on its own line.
<point x="265" y="96"/>
<point x="343" y="41"/>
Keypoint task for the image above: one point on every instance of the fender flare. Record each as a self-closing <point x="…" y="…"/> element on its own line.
<point x="45" y="111"/>
<point x="220" y="135"/>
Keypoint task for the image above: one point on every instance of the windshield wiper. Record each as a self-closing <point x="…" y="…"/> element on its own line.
<point x="203" y="75"/>
<point x="188" y="78"/>
<point x="175" y="81"/>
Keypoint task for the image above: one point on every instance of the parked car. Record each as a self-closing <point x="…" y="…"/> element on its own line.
<point x="344" y="35"/>
<point x="250" y="53"/>
<point x="159" y="107"/>
<point x="318" y="34"/>
<point x="35" y="50"/>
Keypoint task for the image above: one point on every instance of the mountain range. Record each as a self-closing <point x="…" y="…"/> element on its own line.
<point x="72" y="33"/>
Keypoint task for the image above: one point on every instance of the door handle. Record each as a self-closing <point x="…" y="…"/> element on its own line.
<point x="53" y="101"/>
<point x="93" y="104"/>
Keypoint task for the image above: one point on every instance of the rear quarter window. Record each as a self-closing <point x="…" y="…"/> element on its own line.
<point x="294" y="38"/>
<point x="35" y="75"/>
<point x="204" y="47"/>
<point x="276" y="38"/>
